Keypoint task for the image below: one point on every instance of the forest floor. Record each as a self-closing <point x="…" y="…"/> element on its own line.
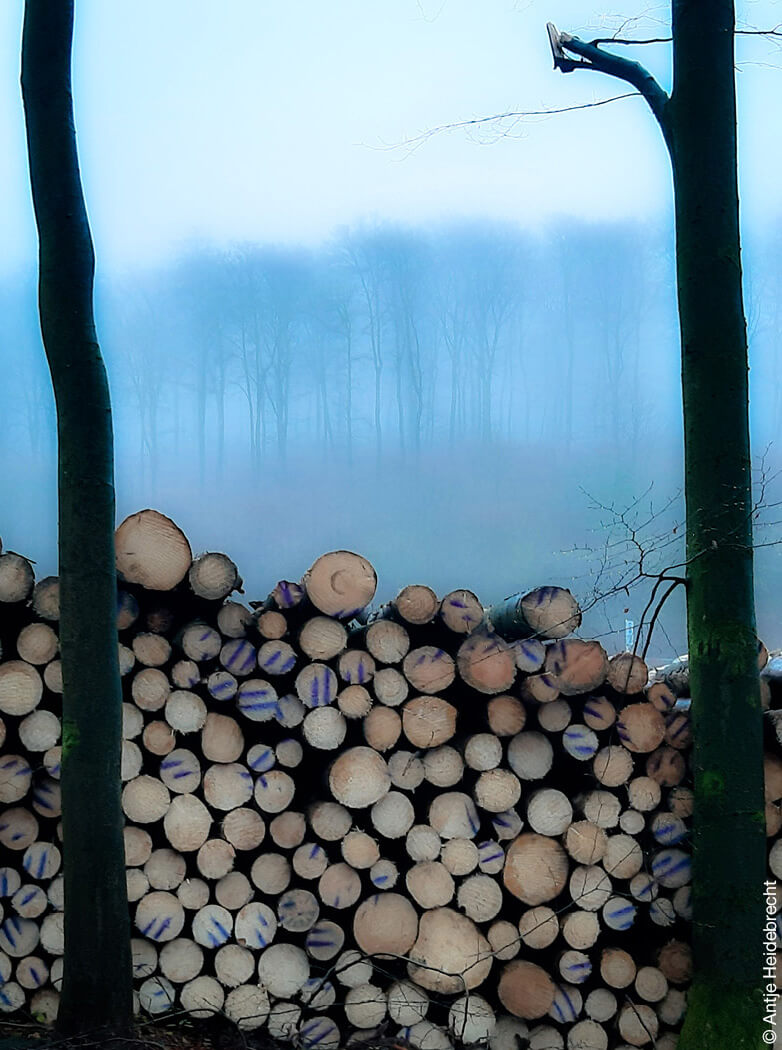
<point x="181" y="1035"/>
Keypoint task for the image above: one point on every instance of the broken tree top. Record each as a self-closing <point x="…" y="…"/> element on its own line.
<point x="429" y="819"/>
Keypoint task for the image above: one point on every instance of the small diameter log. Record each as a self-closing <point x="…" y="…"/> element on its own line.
<point x="359" y="850"/>
<point x="186" y="823"/>
<point x="460" y="856"/>
<point x="429" y="669"/>
<point x="393" y="815"/>
<point x="461" y="611"/>
<point x="150" y="689"/>
<point x="16" y="578"/>
<point x="525" y="989"/>
<point x="428" y="721"/>
<point x="354" y="701"/>
<point x="222" y="739"/>
<point x="388" y="642"/>
<point x="339" y="886"/>
<point x="450" y="954"/>
<point x="158" y="738"/>
<point x="423" y="843"/>
<point x="271" y="625"/>
<point x="506" y="715"/>
<point x="390" y="687"/>
<point x="238" y="657"/>
<point x="39" y="731"/>
<point x="152" y="551"/>
<point x="324" y="728"/>
<point x="430" y="884"/>
<point x="356" y="667"/>
<point x="316" y="685"/>
<point x="181" y="960"/>
<point x="640" y="727"/>
<point x="329" y="820"/>
<point x="627" y="673"/>
<point x="542" y="688"/>
<point x="406" y="770"/>
<point x="21" y="688"/>
<point x="322" y="637"/>
<point x="453" y="815"/>
<point x="613" y="765"/>
<point x="407" y="1004"/>
<point x="165" y="869"/>
<point x="340" y="584"/>
<point x="497" y="790"/>
<point x="200" y="642"/>
<point x="145" y="800"/>
<point x="480" y="897"/>
<point x="547" y="612"/>
<point x="215" y="859"/>
<point x="274" y="791"/>
<point x="185" y="674"/>
<point x="416" y="604"/>
<point x="233" y="619"/>
<point x="585" y="842"/>
<point x="159" y="916"/>
<point x="486" y="662"/>
<point x="46" y="598"/>
<point x="233" y="891"/>
<point x="577" y="666"/>
<point x="549" y="812"/>
<point x="483" y="751"/>
<point x="443" y="766"/>
<point x="601" y="808"/>
<point x="151" y="650"/>
<point x="599" y="713"/>
<point x="213" y="576"/>
<point x="288" y="830"/>
<point x="667" y="766"/>
<point x="244" y="828"/>
<point x="385" y="924"/>
<point x="185" y="712"/>
<point x="536" y="868"/>
<point x="37" y="643"/>
<point x="530" y="755"/>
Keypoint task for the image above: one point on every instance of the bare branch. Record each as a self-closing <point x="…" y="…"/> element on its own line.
<point x="515" y="116"/>
<point x="603" y="62"/>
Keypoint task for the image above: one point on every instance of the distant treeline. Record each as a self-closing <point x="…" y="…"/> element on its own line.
<point x="388" y="339"/>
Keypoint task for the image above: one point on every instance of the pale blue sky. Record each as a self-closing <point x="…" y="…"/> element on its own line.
<point x="240" y="119"/>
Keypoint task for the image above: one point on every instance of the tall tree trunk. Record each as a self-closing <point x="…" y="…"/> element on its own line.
<point x="96" y="988"/>
<point x="729" y="847"/>
<point x="725" y="1003"/>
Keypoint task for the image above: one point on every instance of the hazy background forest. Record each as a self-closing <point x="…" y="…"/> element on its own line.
<point x="443" y="357"/>
<point x="452" y="402"/>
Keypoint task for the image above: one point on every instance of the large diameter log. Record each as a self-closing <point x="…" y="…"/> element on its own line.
<point x="152" y="551"/>
<point x="486" y="662"/>
<point x="536" y="868"/>
<point x="450" y="954"/>
<point x="359" y="778"/>
<point x="340" y="584"/>
<point x="640" y="727"/>
<point x="546" y="612"/>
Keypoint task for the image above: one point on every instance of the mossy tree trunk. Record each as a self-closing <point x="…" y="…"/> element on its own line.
<point x="698" y="121"/>
<point x="96" y="990"/>
<point x="724" y="1008"/>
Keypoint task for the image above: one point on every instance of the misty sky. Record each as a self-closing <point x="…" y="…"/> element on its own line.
<point x="219" y="137"/>
<point x="252" y="119"/>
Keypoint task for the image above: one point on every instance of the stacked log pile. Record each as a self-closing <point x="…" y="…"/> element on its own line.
<point x="449" y="824"/>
